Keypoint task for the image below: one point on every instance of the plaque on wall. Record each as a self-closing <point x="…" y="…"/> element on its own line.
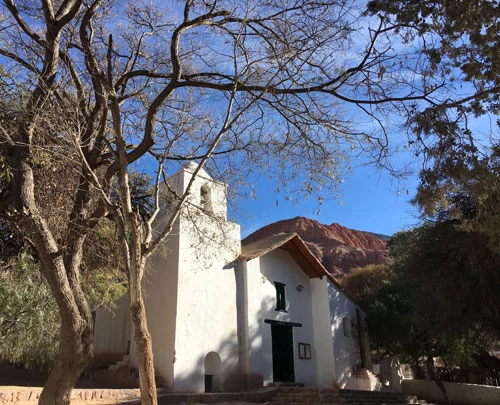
<point x="304" y="351"/>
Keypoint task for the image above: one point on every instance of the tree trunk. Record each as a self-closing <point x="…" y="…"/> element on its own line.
<point x="75" y="353"/>
<point x="144" y="351"/>
<point x="76" y="333"/>
<point x="432" y="375"/>
<point x="75" y="347"/>
<point x="430" y="367"/>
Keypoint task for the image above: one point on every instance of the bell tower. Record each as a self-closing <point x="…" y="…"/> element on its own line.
<point x="206" y="194"/>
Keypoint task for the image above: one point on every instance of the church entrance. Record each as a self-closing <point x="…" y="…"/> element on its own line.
<point x="282" y="341"/>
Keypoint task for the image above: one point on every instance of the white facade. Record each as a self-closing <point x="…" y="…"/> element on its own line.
<point x="344" y="332"/>
<point x="212" y="306"/>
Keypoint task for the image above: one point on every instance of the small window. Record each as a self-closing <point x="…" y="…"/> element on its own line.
<point x="205" y="198"/>
<point x="346" y="326"/>
<point x="280" y="296"/>
<point x="305" y="351"/>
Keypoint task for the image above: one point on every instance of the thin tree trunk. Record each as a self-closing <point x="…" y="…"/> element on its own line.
<point x="432" y="374"/>
<point x="142" y="337"/>
<point x="430" y="367"/>
<point x="145" y="360"/>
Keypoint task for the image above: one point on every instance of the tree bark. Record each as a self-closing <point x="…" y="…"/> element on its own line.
<point x="430" y="367"/>
<point x="61" y="269"/>
<point x="144" y="353"/>
<point x="75" y="353"/>
<point x="142" y="337"/>
<point x="76" y="332"/>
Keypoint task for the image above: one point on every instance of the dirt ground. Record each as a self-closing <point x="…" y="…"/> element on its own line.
<point x="18" y="379"/>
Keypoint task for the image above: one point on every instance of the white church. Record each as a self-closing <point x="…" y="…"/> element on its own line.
<point x="229" y="317"/>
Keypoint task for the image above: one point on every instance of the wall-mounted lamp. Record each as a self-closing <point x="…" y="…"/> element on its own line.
<point x="300" y="287"/>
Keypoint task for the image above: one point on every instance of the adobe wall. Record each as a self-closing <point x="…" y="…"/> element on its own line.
<point x="464" y="394"/>
<point x="345" y="337"/>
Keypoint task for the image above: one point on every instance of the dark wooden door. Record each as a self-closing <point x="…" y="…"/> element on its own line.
<point x="282" y="339"/>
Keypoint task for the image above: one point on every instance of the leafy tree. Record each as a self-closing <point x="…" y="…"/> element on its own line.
<point x="29" y="328"/>
<point x="365" y="283"/>
<point x="377" y="290"/>
<point x="438" y="297"/>
<point x="29" y="320"/>
<point x="235" y="86"/>
<point x="464" y="187"/>
<point x="462" y="41"/>
<point x="458" y="189"/>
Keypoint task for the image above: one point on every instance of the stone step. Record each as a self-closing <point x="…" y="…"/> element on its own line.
<point x="339" y="402"/>
<point x="119" y="364"/>
<point x="397" y="398"/>
<point x="342" y="402"/>
<point x="344" y="399"/>
<point x="124" y="361"/>
<point x="348" y="394"/>
<point x="312" y="396"/>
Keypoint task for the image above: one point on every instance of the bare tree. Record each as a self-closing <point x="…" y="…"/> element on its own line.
<point x="109" y="86"/>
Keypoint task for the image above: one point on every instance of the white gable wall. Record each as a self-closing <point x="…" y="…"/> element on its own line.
<point x="346" y="348"/>
<point x="279" y="266"/>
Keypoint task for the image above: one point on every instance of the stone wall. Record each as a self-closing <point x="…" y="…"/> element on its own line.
<point x="464" y="394"/>
<point x="31" y="395"/>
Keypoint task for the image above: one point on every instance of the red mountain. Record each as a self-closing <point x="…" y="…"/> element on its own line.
<point x="338" y="248"/>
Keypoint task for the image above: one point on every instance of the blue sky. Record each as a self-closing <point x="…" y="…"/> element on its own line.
<point x="371" y="201"/>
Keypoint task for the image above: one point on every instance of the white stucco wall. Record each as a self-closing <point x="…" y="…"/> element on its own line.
<point x="465" y="394"/>
<point x="257" y="357"/>
<point x="279" y="266"/>
<point x="206" y="286"/>
<point x="325" y="363"/>
<point x="206" y="304"/>
<point x="346" y="348"/>
<point x="216" y="203"/>
<point x="190" y="293"/>
<point x="160" y="298"/>
<point x="112" y="329"/>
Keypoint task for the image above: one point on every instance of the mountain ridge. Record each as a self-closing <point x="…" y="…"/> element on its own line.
<point x="338" y="248"/>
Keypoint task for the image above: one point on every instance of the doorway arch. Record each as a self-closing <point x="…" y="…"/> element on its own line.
<point x="213" y="368"/>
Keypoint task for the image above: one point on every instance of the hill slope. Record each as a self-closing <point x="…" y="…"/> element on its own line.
<point x="338" y="248"/>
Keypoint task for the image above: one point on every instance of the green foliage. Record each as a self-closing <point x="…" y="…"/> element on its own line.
<point x="462" y="41"/>
<point x="465" y="37"/>
<point x="29" y="319"/>
<point x="438" y="298"/>
<point x="365" y="283"/>
<point x="465" y="186"/>
<point x="104" y="279"/>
